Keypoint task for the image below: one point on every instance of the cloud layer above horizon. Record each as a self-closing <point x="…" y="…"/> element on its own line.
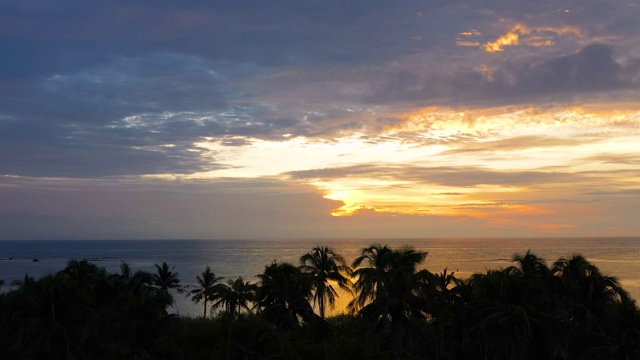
<point x="254" y="119"/>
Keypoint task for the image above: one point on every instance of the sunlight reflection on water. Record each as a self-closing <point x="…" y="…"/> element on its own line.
<point x="232" y="258"/>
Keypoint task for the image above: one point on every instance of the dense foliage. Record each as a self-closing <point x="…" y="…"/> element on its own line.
<point x="568" y="310"/>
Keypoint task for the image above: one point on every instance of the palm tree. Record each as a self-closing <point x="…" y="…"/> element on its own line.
<point x="389" y="290"/>
<point x="500" y="322"/>
<point x="585" y="298"/>
<point x="165" y="280"/>
<point x="621" y="337"/>
<point x="387" y="270"/>
<point x="445" y="296"/>
<point x="584" y="280"/>
<point x="325" y="266"/>
<point x="125" y="271"/>
<point x="202" y="291"/>
<point x="370" y="278"/>
<point x="529" y="265"/>
<point x="283" y="294"/>
<point x="234" y="296"/>
<point x="48" y="307"/>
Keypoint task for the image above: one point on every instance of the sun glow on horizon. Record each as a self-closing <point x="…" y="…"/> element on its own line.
<point x="517" y="161"/>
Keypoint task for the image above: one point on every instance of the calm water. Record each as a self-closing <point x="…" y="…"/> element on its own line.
<point x="619" y="257"/>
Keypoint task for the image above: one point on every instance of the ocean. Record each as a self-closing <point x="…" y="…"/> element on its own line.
<point x="619" y="257"/>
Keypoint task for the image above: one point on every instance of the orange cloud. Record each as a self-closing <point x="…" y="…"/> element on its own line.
<point x="467" y="43"/>
<point x="521" y="34"/>
<point x="509" y="39"/>
<point x="472" y="32"/>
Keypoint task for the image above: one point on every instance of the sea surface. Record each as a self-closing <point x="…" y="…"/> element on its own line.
<point x="619" y="257"/>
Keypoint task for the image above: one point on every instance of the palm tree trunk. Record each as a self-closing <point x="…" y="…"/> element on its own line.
<point x="321" y="307"/>
<point x="205" y="309"/>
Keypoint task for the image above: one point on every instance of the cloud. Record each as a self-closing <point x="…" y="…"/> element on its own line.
<point x="624" y="159"/>
<point x="135" y="91"/>
<point x="129" y="116"/>
<point x="510" y="39"/>
<point x="590" y="70"/>
<point x="593" y="70"/>
<point x="130" y="208"/>
<point x="518" y="143"/>
<point x="521" y="34"/>
<point x="444" y="175"/>
<point x="624" y="192"/>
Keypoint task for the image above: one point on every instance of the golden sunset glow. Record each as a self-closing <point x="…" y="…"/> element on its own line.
<point x="501" y="165"/>
<point x="449" y="119"/>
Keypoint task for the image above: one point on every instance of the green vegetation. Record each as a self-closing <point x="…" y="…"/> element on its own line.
<point x="526" y="311"/>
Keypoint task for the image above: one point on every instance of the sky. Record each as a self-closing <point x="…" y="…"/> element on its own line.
<point x="319" y="119"/>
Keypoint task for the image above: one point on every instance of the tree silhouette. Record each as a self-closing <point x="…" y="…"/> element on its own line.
<point x="125" y="271"/>
<point x="526" y="311"/>
<point x="283" y="294"/>
<point x="586" y="298"/>
<point x="325" y="266"/>
<point x="234" y="296"/>
<point x="388" y="290"/>
<point x="202" y="290"/>
<point x="370" y="279"/>
<point x="165" y="280"/>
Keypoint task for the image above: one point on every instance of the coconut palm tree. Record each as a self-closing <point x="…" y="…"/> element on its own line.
<point x="325" y="266"/>
<point x="386" y="270"/>
<point x="445" y="296"/>
<point x="388" y="291"/>
<point x="283" y="294"/>
<point x="202" y="290"/>
<point x="621" y="338"/>
<point x="583" y="280"/>
<point x="585" y="298"/>
<point x="48" y="307"/>
<point x="501" y="323"/>
<point x="234" y="296"/>
<point x="125" y="271"/>
<point x="370" y="278"/>
<point x="533" y="281"/>
<point x="165" y="280"/>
